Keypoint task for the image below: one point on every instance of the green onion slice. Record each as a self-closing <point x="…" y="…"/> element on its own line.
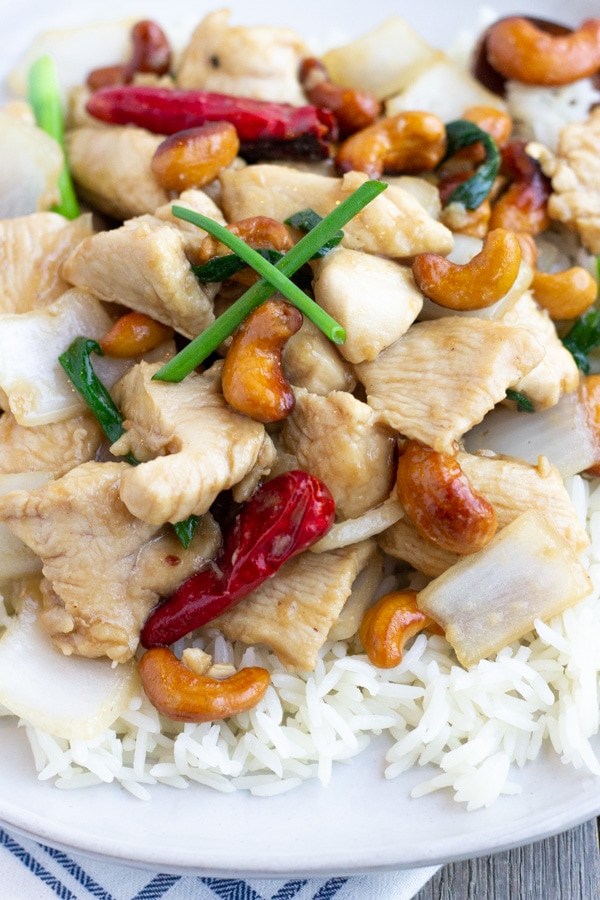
<point x="207" y="342"/>
<point x="45" y="100"/>
<point x="221" y="267"/>
<point x="583" y="337"/>
<point x="472" y="192"/>
<point x="524" y="404"/>
<point x="78" y="366"/>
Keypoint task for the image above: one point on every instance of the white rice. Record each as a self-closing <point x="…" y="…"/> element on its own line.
<point x="472" y="729"/>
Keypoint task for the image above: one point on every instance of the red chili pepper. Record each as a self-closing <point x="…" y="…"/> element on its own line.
<point x="283" y="517"/>
<point x="166" y="111"/>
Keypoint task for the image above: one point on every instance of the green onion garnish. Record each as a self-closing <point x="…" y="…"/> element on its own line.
<point x="524" y="404"/>
<point x="78" y="366"/>
<point x="472" y="192"/>
<point x="269" y="272"/>
<point x="583" y="337"/>
<point x="207" y="342"/>
<point x="45" y="100"/>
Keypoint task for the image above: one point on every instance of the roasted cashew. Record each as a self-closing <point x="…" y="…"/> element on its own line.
<point x="353" y="109"/>
<point x="180" y="694"/>
<point x="253" y="378"/>
<point x="387" y="626"/>
<point x="521" y="51"/>
<point x="194" y="157"/>
<point x="441" y="502"/>
<point x="133" y="334"/>
<point x="477" y="284"/>
<point x="565" y="294"/>
<point x="407" y="142"/>
<point x="523" y="207"/>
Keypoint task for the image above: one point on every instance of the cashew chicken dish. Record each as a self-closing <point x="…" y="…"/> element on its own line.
<point x="300" y="415"/>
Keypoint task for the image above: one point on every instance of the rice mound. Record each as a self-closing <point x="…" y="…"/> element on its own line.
<point x="470" y="728"/>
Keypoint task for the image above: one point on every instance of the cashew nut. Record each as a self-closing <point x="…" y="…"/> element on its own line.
<point x="521" y="51"/>
<point x="407" y="142"/>
<point x="353" y="109"/>
<point x="477" y="284"/>
<point x="441" y="502"/>
<point x="565" y="294"/>
<point x="194" y="157"/>
<point x="180" y="694"/>
<point x="253" y="379"/>
<point x="387" y="626"/>
<point x="133" y="334"/>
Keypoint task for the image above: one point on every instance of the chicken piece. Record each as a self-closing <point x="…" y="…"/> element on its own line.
<point x="56" y="447"/>
<point x="402" y="541"/>
<point x="104" y="569"/>
<point x="259" y="61"/>
<point x="393" y="224"/>
<point x="575" y="175"/>
<point x="311" y="361"/>
<point x="442" y="376"/>
<point x="143" y="265"/>
<point x="197" y="201"/>
<point x="111" y="169"/>
<point x="374" y="299"/>
<point x="359" y="473"/>
<point x="191" y="444"/>
<point x="32" y="250"/>
<point x="512" y="487"/>
<point x="557" y="373"/>
<point x="293" y="611"/>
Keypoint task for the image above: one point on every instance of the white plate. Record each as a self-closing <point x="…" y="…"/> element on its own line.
<point x="361" y="822"/>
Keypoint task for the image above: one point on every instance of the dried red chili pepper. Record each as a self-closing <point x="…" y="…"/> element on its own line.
<point x="283" y="517"/>
<point x="263" y="128"/>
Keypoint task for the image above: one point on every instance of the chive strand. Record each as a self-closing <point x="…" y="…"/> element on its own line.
<point x="208" y="341"/>
<point x="269" y="272"/>
<point x="44" y="97"/>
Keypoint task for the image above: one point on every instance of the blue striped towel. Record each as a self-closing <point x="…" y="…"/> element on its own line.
<point x="32" y="871"/>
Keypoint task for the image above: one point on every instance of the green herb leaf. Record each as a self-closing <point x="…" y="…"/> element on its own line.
<point x="45" y="100"/>
<point x="472" y="192"/>
<point x="524" y="404"/>
<point x="221" y="267"/>
<point x="306" y="220"/>
<point x="583" y="337"/>
<point x="207" y="342"/>
<point x="185" y="530"/>
<point x="78" y="366"/>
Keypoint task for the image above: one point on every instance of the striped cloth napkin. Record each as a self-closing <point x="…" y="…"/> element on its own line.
<point x="32" y="871"/>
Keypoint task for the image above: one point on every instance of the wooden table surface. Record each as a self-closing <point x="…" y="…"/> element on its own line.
<point x="565" y="867"/>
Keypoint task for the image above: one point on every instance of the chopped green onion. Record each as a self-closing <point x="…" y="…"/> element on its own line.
<point x="524" y="404"/>
<point x="221" y="267"/>
<point x="583" y="337"/>
<point x="45" y="100"/>
<point x="472" y="192"/>
<point x="306" y="220"/>
<point x="203" y="345"/>
<point x="78" y="366"/>
<point x="269" y="272"/>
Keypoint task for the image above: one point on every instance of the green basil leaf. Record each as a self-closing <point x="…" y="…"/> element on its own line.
<point x="472" y="192"/>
